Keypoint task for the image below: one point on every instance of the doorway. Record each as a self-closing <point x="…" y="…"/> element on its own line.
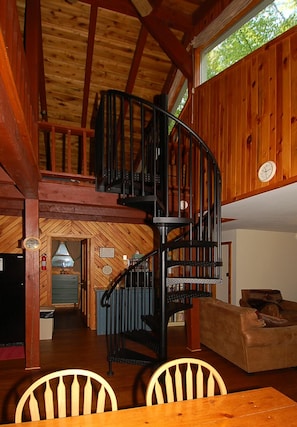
<point x="223" y="291"/>
<point x="70" y="283"/>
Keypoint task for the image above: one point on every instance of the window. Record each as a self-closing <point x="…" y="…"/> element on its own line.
<point x="179" y="103"/>
<point x="262" y="25"/>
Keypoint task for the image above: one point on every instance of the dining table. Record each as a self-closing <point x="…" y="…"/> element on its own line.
<point x="253" y="408"/>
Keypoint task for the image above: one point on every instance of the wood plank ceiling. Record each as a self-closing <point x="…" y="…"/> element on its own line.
<point x="89" y="46"/>
<point x="93" y="45"/>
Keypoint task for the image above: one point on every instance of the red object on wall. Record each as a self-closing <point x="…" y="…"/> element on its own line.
<point x="43" y="262"/>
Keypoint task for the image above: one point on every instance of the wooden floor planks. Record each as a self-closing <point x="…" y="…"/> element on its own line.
<point x="75" y="346"/>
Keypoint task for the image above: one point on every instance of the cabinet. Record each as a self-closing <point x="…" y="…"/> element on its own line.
<point x="65" y="288"/>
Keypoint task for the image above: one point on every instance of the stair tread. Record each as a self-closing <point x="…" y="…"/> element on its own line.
<point x="202" y="280"/>
<point x="189" y="293"/>
<point x="185" y="262"/>
<point x="190" y="244"/>
<point x="125" y="355"/>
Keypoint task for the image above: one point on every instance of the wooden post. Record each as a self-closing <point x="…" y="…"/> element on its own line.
<point x="193" y="326"/>
<point x="32" y="304"/>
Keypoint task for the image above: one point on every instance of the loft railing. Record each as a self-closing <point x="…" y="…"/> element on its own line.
<point x="172" y="175"/>
<point x="65" y="150"/>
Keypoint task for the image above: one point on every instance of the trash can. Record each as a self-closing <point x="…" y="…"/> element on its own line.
<point x="46" y="323"/>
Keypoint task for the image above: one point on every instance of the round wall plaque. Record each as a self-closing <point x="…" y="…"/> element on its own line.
<point x="32" y="243"/>
<point x="107" y="269"/>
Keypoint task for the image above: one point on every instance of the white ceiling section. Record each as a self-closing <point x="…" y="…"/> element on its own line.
<point x="274" y="210"/>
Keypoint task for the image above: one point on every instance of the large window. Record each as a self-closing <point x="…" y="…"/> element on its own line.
<point x="248" y="35"/>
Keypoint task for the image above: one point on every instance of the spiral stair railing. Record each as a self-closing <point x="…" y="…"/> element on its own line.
<point x="175" y="179"/>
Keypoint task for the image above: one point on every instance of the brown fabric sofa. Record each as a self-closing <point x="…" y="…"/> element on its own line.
<point x="240" y="336"/>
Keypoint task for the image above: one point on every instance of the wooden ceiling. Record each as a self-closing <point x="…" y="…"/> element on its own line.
<point x="94" y="45"/>
<point x="142" y="47"/>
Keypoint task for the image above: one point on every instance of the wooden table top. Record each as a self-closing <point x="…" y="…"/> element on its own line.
<point x="253" y="408"/>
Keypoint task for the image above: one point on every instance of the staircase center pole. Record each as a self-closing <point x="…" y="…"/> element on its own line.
<point x="163" y="277"/>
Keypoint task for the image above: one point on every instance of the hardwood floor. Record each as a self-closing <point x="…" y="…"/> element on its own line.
<point x="75" y="346"/>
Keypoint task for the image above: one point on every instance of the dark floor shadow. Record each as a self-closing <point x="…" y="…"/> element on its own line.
<point x="68" y="318"/>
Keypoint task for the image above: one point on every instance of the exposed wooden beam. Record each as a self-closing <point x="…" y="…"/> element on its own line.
<point x="16" y="154"/>
<point x="89" y="60"/>
<point x="176" y="20"/>
<point x="58" y="200"/>
<point x="168" y="42"/>
<point x="136" y="59"/>
<point x="223" y="18"/>
<point x="91" y="213"/>
<point x="42" y="88"/>
<point x="32" y="38"/>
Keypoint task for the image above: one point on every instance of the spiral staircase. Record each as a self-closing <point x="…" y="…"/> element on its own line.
<point x="156" y="163"/>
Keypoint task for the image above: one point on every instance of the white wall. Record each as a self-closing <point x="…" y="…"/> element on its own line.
<point x="263" y="259"/>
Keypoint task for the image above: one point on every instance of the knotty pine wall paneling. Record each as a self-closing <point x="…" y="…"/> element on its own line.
<point x="124" y="238"/>
<point x="11" y="234"/>
<point x="248" y="115"/>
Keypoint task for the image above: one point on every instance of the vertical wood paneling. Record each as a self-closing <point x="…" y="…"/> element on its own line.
<point x="285" y="105"/>
<point x="248" y="115"/>
<point x="293" y="48"/>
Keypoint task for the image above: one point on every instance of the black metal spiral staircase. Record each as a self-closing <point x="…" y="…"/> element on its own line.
<point x="156" y="163"/>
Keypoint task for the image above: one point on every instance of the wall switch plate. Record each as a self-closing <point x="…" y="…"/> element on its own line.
<point x="106" y="252"/>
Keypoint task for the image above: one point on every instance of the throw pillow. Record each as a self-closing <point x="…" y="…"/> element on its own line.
<point x="271" y="321"/>
<point x="271" y="309"/>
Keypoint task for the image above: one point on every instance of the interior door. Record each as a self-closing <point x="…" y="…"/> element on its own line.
<point x="84" y="282"/>
<point x="223" y="291"/>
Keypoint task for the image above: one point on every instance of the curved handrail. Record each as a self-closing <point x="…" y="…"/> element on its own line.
<point x="119" y="278"/>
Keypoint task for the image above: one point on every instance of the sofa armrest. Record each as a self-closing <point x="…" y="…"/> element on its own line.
<point x="288" y="305"/>
<point x="243" y="303"/>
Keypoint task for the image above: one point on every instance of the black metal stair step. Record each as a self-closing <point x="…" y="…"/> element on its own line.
<point x="185" y="262"/>
<point x="193" y="280"/>
<point x="143" y="337"/>
<point x="190" y="244"/>
<point x="125" y="355"/>
<point x="188" y="293"/>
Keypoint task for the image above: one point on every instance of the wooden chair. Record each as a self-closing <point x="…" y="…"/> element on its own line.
<point x="66" y="393"/>
<point x="184" y="379"/>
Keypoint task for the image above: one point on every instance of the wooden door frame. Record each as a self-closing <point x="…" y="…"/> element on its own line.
<point x="229" y="244"/>
<point x="90" y="250"/>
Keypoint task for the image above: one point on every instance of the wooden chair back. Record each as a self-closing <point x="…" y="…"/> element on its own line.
<point x="65" y="393"/>
<point x="184" y="379"/>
